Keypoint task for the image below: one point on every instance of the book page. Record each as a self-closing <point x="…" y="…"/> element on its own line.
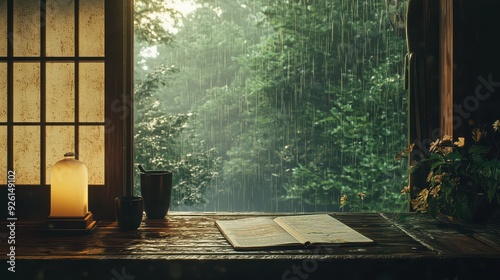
<point x="320" y="229"/>
<point x="253" y="233"/>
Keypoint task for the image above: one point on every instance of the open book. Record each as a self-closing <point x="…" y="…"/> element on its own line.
<point x="302" y="230"/>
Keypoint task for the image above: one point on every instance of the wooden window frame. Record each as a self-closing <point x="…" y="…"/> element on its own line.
<point x="446" y="61"/>
<point x="33" y="202"/>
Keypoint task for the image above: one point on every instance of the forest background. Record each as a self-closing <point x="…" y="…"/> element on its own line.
<point x="272" y="105"/>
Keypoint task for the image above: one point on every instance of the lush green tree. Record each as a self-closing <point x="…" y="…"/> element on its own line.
<point x="355" y="157"/>
<point x="301" y="101"/>
<point x="150" y="18"/>
<point x="320" y="86"/>
<point x="164" y="141"/>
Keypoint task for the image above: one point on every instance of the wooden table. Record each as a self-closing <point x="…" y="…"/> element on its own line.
<point x="189" y="246"/>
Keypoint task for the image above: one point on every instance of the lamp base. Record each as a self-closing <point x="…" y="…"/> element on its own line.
<point x="83" y="224"/>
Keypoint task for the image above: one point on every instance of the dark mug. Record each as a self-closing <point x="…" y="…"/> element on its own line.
<point x="156" y="189"/>
<point x="129" y="212"/>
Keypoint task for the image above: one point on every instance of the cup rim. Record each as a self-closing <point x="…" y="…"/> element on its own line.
<point x="156" y="172"/>
<point x="129" y="198"/>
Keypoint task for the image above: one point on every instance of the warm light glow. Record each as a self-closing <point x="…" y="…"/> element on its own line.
<point x="93" y="154"/>
<point x="26" y="154"/>
<point x="69" y="188"/>
<point x="52" y="79"/>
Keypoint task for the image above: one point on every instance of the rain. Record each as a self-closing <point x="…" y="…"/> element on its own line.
<point x="272" y="105"/>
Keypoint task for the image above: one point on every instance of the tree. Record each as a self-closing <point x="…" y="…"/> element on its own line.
<point x="300" y="101"/>
<point x="164" y="142"/>
<point x="324" y="81"/>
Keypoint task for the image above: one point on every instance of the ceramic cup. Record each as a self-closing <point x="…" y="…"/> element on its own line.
<point x="129" y="211"/>
<point x="156" y="189"/>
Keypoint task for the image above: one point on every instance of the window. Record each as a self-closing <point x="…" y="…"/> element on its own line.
<point x="274" y="105"/>
<point x="62" y="87"/>
<point x="271" y="138"/>
<point x="54" y="88"/>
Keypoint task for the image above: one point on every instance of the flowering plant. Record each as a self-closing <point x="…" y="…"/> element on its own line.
<point x="461" y="178"/>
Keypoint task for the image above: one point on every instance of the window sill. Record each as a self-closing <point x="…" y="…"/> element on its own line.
<point x="190" y="246"/>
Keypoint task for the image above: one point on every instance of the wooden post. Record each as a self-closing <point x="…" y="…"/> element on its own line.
<point x="446" y="66"/>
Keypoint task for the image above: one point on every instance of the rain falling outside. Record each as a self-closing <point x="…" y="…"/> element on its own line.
<point x="272" y="105"/>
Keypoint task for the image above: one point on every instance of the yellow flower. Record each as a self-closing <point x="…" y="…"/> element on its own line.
<point x="434" y="146"/>
<point x="361" y="195"/>
<point x="477" y="134"/>
<point x="343" y="200"/>
<point x="409" y="149"/>
<point x="435" y="191"/>
<point x="423" y="194"/>
<point x="405" y="190"/>
<point x="420" y="203"/>
<point x="496" y="125"/>
<point x="429" y="176"/>
<point x="438" y="178"/>
<point x="460" y="143"/>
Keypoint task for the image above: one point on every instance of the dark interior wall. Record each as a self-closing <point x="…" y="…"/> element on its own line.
<point x="476" y="77"/>
<point x="476" y="64"/>
<point x="422" y="66"/>
<point x="423" y="70"/>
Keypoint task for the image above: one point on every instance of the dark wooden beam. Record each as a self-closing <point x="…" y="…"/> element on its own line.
<point x="119" y="108"/>
<point x="446" y="66"/>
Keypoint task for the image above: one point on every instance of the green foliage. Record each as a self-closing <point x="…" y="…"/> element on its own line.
<point x="296" y="102"/>
<point x="460" y="177"/>
<point x="354" y="149"/>
<point x="165" y="142"/>
<point x="150" y="16"/>
<point x="345" y="118"/>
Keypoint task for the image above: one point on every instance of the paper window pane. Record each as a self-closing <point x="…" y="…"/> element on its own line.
<point x="26" y="92"/>
<point x="60" y="36"/>
<point x="3" y="92"/>
<point x="60" y="92"/>
<point x="91" y="92"/>
<point x="26" y="28"/>
<point x="91" y="28"/>
<point x="27" y="155"/>
<point x="3" y="155"/>
<point x="59" y="140"/>
<point x="91" y="152"/>
<point x="3" y="28"/>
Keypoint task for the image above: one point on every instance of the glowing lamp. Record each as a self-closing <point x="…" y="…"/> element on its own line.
<point x="69" y="196"/>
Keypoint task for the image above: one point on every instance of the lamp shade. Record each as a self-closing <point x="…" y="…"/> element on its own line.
<point x="69" y="188"/>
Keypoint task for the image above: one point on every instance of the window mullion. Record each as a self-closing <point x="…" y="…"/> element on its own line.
<point x="77" y="75"/>
<point x="43" y="91"/>
<point x="10" y="84"/>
